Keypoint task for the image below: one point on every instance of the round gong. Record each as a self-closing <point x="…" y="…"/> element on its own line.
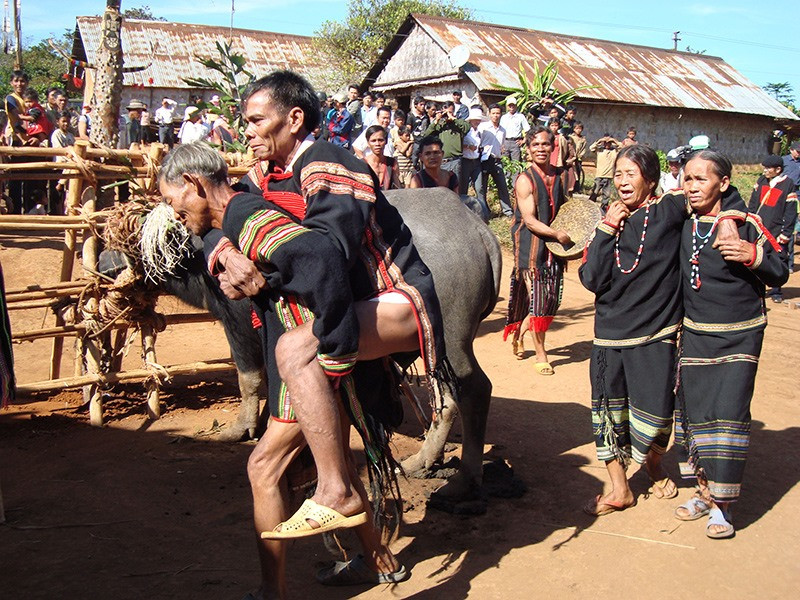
<point x="578" y="217"/>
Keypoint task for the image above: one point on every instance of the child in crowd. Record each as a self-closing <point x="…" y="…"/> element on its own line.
<point x="38" y="125"/>
<point x="62" y="138"/>
<point x="403" y="149"/>
<point x="579" y="140"/>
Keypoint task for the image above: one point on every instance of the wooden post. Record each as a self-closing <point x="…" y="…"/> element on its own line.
<point x="156" y="153"/>
<point x="90" y="242"/>
<point x="74" y="192"/>
<point x="152" y="384"/>
<point x="92" y="391"/>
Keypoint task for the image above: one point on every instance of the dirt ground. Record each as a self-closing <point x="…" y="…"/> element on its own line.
<point x="141" y="509"/>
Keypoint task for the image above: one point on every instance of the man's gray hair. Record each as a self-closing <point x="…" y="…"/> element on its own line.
<point x="197" y="158"/>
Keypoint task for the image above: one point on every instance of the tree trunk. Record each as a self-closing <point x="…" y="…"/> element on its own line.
<point x="107" y="95"/>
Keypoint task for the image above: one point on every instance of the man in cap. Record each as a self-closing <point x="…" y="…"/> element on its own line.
<point x="774" y="199"/>
<point x="340" y="122"/>
<point x="516" y="126"/>
<point x="215" y="103"/>
<point x="461" y="110"/>
<point x="673" y="178"/>
<point x="471" y="158"/>
<point x="791" y="164"/>
<point x="132" y="132"/>
<point x="193" y="128"/>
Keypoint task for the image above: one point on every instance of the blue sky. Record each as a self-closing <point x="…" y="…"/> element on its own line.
<point x="755" y="40"/>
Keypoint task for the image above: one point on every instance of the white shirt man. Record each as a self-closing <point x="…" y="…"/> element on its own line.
<point x="516" y="126"/>
<point x="514" y="123"/>
<point x="361" y="146"/>
<point x="193" y="128"/>
<point x="165" y="114"/>
<point x="493" y="136"/>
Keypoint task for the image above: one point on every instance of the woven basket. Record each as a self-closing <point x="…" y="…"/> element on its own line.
<point x="578" y="217"/>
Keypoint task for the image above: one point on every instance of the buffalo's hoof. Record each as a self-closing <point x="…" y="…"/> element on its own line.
<point x="415" y="467"/>
<point x="458" y="497"/>
<point x="236" y="433"/>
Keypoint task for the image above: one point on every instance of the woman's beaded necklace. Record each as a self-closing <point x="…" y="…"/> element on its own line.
<point x="694" y="260"/>
<point x="641" y="242"/>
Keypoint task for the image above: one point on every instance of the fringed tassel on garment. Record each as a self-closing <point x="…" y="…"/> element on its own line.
<point x="606" y="427"/>
<point x="519" y="304"/>
<point x="382" y="467"/>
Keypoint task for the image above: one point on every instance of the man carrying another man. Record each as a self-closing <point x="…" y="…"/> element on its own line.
<point x="331" y="193"/>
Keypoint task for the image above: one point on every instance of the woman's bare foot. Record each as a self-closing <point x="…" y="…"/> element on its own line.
<point x="663" y="486"/>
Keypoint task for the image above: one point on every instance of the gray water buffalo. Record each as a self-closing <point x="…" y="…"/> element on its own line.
<point x="465" y="260"/>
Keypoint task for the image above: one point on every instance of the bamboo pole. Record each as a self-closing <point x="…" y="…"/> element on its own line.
<point x="61" y="331"/>
<point x="44" y="288"/>
<point x="42" y="176"/>
<point x="152" y="384"/>
<point x="68" y="257"/>
<point x="49" y="166"/>
<point x="53" y="152"/>
<point x="44" y="226"/>
<point x="44" y="303"/>
<point x="61" y="292"/>
<point x="195" y="368"/>
<point x="63" y="219"/>
<point x="156" y="154"/>
<point x="90" y="242"/>
<point x="91" y="391"/>
<point x="120" y="337"/>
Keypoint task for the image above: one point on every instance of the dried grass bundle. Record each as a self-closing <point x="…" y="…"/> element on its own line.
<point x="164" y="243"/>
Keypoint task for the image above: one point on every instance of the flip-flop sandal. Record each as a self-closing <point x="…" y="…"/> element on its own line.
<point x="717" y="517"/>
<point x="544" y="368"/>
<point x="659" y="489"/>
<point x="298" y="526"/>
<point x="356" y="572"/>
<point x="592" y="508"/>
<point x="696" y="507"/>
<point x="518" y="348"/>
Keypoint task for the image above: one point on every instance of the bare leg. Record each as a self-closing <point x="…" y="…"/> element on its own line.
<point x="658" y="474"/>
<point x="385" y="328"/>
<point x="315" y="406"/>
<point x="266" y="469"/>
<point x="620" y="490"/>
<point x="538" y="345"/>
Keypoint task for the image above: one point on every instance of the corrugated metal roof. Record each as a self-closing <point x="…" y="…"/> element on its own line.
<point x="625" y="72"/>
<point x="172" y="47"/>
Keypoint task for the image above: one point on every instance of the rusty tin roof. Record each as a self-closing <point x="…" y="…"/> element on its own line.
<point x="170" y="49"/>
<point x="625" y="73"/>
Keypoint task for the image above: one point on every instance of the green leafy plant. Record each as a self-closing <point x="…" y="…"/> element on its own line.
<point x="541" y="85"/>
<point x="662" y="160"/>
<point x="230" y="84"/>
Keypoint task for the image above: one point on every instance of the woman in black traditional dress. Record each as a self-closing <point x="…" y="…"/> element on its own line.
<point x="723" y="329"/>
<point x="631" y="264"/>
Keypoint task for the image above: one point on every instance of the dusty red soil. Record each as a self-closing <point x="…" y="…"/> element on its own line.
<point x="141" y="509"/>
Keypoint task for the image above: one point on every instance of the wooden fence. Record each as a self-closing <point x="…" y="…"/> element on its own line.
<point x="86" y="168"/>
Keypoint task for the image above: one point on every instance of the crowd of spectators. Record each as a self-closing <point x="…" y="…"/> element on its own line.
<point x="465" y="147"/>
